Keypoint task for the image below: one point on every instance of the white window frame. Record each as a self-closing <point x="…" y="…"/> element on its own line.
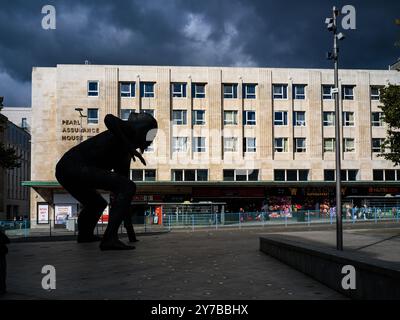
<point x="331" y="148"/>
<point x="197" y="147"/>
<point x="348" y="96"/>
<point x="346" y="119"/>
<point x="179" y="144"/>
<point x="327" y="123"/>
<point x="93" y="91"/>
<point x="196" y="177"/>
<point x="233" y="144"/>
<point x="131" y="93"/>
<point x="199" y="95"/>
<point x="181" y="120"/>
<point x="326" y="96"/>
<point x="282" y="145"/>
<point x="379" y="122"/>
<point x="299" y="123"/>
<point x="247" y="121"/>
<point x="196" y="120"/>
<point x="375" y="97"/>
<point x="346" y="147"/>
<point x="283" y="118"/>
<point x="181" y="93"/>
<point x="230" y="95"/>
<point x="91" y="119"/>
<point x="283" y="91"/>
<point x="250" y="148"/>
<point x="148" y="94"/>
<point x="233" y="120"/>
<point x="299" y="96"/>
<point x="250" y="95"/>
<point x="381" y="140"/>
<point x="301" y="148"/>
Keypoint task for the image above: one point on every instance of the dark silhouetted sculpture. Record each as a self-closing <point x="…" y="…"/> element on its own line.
<point x="103" y="163"/>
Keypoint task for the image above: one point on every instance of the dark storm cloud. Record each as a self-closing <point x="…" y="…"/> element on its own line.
<point x="181" y="32"/>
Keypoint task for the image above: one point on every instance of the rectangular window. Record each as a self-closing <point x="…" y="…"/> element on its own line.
<point x="249" y="118"/>
<point x="299" y="91"/>
<point x="348" y="92"/>
<point x="327" y="92"/>
<point x="329" y="175"/>
<point x="179" y="144"/>
<point x="390" y="175"/>
<point x="378" y="175"/>
<point x="280" y="118"/>
<point x="279" y="175"/>
<point x="124" y="113"/>
<point x="149" y="111"/>
<point x="300" y="145"/>
<point x="329" y="118"/>
<point x="279" y="91"/>
<point x="149" y="175"/>
<point x="281" y="145"/>
<point x="230" y="144"/>
<point x="329" y="145"/>
<point x="202" y="175"/>
<point x="199" y="117"/>
<point x="230" y="91"/>
<point x="137" y="175"/>
<point x="377" y="119"/>
<point x="230" y="117"/>
<point x="199" y="90"/>
<point x="199" y="144"/>
<point x="249" y="145"/>
<point x="93" y="116"/>
<point x="93" y="88"/>
<point x="178" y="90"/>
<point x="177" y="175"/>
<point x="229" y="175"/>
<point x="249" y="91"/>
<point x="377" y="144"/>
<point x="189" y="175"/>
<point x="147" y="89"/>
<point x="127" y="89"/>
<point x="375" y="93"/>
<point x="291" y="175"/>
<point x="348" y="119"/>
<point x="179" y="117"/>
<point x="348" y="175"/>
<point x="349" y="145"/>
<point x="299" y="118"/>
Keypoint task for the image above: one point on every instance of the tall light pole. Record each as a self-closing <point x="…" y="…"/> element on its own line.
<point x="332" y="26"/>
<point x="81" y="115"/>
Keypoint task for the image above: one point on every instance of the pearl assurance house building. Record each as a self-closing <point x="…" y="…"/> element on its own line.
<point x="245" y="136"/>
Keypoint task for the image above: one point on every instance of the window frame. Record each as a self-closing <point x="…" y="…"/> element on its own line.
<point x="176" y="146"/>
<point x="249" y="95"/>
<point x="345" y="146"/>
<point x="248" y="148"/>
<point x="91" y="119"/>
<point x="381" y="140"/>
<point x="333" y="141"/>
<point x="285" y="145"/>
<point x="232" y="94"/>
<point x="195" y="119"/>
<point x="325" y="96"/>
<point x="380" y="122"/>
<point x="299" y="96"/>
<point x="199" y="148"/>
<point x="348" y="96"/>
<point x="326" y="123"/>
<point x="300" y="149"/>
<point x="346" y="118"/>
<point x="299" y="123"/>
<point x="179" y="94"/>
<point x="284" y="118"/>
<point x="132" y="89"/>
<point x="234" y="144"/>
<point x="143" y="89"/>
<point x="199" y="95"/>
<point x="182" y="119"/>
<point x="235" y="118"/>
<point x="97" y="91"/>
<point x="283" y="95"/>
<point x="246" y="120"/>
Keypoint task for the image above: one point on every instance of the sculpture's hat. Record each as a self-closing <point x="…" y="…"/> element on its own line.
<point x="144" y="128"/>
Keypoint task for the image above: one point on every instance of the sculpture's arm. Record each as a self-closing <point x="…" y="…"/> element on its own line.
<point x="114" y="124"/>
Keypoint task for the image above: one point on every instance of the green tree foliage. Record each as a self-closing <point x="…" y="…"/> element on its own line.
<point x="390" y="97"/>
<point x="8" y="156"/>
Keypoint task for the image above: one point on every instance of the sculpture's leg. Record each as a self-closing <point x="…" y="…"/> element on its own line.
<point x="125" y="191"/>
<point x="93" y="206"/>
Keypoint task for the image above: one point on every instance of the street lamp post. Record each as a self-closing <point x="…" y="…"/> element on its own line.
<point x="81" y="115"/>
<point x="332" y="26"/>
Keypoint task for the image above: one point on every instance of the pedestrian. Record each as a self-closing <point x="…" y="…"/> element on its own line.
<point x="3" y="264"/>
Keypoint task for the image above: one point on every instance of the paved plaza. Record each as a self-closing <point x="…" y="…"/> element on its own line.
<point x="221" y="264"/>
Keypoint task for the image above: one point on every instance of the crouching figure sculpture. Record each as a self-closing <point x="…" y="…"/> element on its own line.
<point x="103" y="162"/>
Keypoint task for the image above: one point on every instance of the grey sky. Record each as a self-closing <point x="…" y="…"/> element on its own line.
<point x="285" y="33"/>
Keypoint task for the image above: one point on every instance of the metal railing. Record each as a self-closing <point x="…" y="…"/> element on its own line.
<point x="193" y="221"/>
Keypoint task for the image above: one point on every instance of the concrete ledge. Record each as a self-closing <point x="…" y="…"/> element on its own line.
<point x="375" y="279"/>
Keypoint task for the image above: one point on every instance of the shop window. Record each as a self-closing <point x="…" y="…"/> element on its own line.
<point x="329" y="175"/>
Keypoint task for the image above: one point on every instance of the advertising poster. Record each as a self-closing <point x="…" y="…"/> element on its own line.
<point x="62" y="213"/>
<point x="43" y="213"/>
<point x="104" y="216"/>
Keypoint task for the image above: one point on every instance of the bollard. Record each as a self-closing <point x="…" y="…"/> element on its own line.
<point x="50" y="227"/>
<point x="216" y="221"/>
<point x="375" y="216"/>
<point x="192" y="222"/>
<point x="309" y="218"/>
<point x="240" y="221"/>
<point x="169" y="223"/>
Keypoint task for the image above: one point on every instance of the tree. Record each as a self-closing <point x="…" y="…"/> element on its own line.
<point x="8" y="156"/>
<point x="390" y="97"/>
